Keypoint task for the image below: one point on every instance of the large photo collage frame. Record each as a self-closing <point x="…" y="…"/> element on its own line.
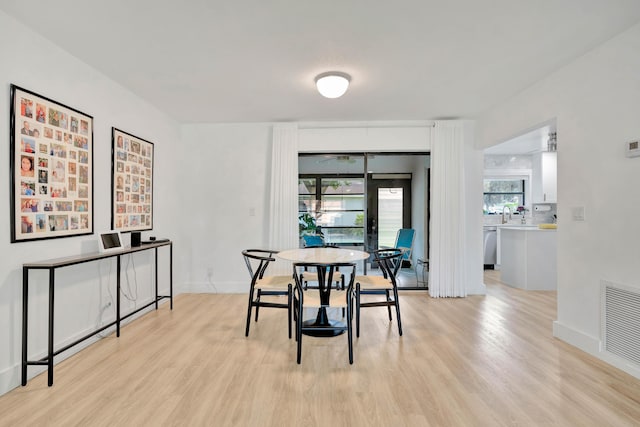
<point x="132" y="186"/>
<point x="51" y="168"/>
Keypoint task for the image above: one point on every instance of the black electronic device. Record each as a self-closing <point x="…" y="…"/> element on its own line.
<point x="135" y="239"/>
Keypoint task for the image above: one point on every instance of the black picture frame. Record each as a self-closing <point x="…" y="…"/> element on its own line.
<point x="51" y="152"/>
<point x="132" y="164"/>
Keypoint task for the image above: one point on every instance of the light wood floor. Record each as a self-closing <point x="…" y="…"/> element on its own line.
<point x="479" y="361"/>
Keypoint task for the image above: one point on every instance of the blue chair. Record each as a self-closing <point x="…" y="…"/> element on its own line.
<point x="404" y="241"/>
<point x="313" y="241"/>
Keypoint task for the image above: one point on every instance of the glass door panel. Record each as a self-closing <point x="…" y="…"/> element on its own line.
<point x="390" y="215"/>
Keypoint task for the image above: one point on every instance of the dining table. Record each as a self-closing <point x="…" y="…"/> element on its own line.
<point x="325" y="256"/>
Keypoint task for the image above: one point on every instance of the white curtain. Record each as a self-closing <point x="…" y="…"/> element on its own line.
<point x="447" y="266"/>
<point x="283" y="212"/>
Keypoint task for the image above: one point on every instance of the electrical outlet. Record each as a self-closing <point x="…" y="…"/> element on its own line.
<point x="577" y="213"/>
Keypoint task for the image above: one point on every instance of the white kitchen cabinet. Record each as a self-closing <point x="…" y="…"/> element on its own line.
<point x="545" y="177"/>
<point x="529" y="258"/>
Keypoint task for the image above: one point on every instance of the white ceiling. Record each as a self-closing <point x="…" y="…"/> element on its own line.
<point x="255" y="60"/>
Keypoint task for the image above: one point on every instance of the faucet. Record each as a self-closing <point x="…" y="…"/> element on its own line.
<point x="506" y="208"/>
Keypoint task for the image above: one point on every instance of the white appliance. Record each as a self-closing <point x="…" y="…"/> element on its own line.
<point x="490" y="245"/>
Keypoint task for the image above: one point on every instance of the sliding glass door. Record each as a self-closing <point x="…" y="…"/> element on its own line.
<point x="388" y="207"/>
<point x="361" y="200"/>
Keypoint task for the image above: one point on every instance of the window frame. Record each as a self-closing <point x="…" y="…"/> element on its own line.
<point x="319" y="197"/>
<point x="522" y="193"/>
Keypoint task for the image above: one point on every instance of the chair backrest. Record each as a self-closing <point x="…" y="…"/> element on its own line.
<point x="326" y="272"/>
<point x="313" y="241"/>
<point x="389" y="261"/>
<point x="404" y="241"/>
<point x="257" y="261"/>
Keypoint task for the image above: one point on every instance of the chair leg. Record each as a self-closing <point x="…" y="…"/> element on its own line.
<point x="258" y="303"/>
<point x="397" y="303"/>
<point x="388" y="304"/>
<point x="246" y="332"/>
<point x="358" y="310"/>
<point x="299" y="332"/>
<point x="289" y="297"/>
<point x="295" y="317"/>
<point x="349" y="331"/>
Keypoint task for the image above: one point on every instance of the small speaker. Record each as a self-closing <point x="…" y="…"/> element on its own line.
<point x="135" y="238"/>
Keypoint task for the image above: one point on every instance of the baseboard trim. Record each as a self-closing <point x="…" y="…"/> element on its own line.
<point x="592" y="346"/>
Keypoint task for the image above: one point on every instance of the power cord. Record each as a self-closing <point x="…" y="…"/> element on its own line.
<point x="109" y="303"/>
<point x="210" y="280"/>
<point x="132" y="296"/>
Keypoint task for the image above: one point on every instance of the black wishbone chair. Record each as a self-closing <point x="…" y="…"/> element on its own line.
<point x="257" y="261"/>
<point x="323" y="298"/>
<point x="389" y="261"/>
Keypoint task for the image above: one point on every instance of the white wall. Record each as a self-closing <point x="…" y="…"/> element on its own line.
<point x="595" y="102"/>
<point x="228" y="181"/>
<point x="33" y="63"/>
<point x="473" y="218"/>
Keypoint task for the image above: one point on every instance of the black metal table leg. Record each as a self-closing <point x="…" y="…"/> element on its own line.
<point x="118" y="296"/>
<point x="156" y="274"/>
<point x="51" y="317"/>
<point x="25" y="318"/>
<point x="171" y="275"/>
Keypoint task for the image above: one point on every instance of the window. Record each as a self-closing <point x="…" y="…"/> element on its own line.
<point x="499" y="193"/>
<point x="333" y="206"/>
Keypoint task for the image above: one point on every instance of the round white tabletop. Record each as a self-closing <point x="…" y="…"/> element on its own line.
<point x="322" y="255"/>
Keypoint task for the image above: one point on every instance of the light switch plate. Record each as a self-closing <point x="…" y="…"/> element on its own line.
<point x="632" y="148"/>
<point x="577" y="213"/>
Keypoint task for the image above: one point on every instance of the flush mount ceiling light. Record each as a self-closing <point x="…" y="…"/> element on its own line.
<point x="332" y="84"/>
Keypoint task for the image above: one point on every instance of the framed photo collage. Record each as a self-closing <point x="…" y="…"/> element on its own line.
<point x="51" y="149"/>
<point x="51" y="168"/>
<point x="132" y="197"/>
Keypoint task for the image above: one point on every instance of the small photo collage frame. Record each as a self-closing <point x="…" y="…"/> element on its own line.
<point x="132" y="182"/>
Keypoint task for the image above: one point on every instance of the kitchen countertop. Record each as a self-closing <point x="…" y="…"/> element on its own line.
<point x="525" y="228"/>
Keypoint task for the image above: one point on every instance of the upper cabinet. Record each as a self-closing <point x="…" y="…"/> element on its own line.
<point x="545" y="177"/>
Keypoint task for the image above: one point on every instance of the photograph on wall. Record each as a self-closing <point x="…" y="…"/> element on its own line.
<point x="51" y="168"/>
<point x="131" y="182"/>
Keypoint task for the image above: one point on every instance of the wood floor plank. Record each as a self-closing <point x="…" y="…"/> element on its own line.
<point x="478" y="361"/>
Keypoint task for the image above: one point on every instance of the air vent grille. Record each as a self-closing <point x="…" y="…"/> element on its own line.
<point x="622" y="321"/>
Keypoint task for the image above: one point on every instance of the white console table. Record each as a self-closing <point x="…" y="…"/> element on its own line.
<point x="52" y="265"/>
